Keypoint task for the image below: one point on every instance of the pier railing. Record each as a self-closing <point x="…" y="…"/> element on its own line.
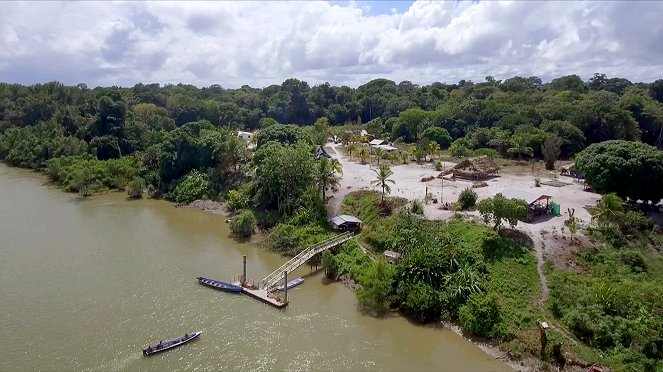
<point x="272" y="279"/>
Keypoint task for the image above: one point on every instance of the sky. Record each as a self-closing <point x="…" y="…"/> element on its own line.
<point x="340" y="42"/>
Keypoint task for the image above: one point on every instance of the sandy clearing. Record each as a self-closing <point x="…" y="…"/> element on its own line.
<point x="408" y="184"/>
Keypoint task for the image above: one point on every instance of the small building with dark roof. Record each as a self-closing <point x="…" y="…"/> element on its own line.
<point x="320" y="152"/>
<point x="346" y="222"/>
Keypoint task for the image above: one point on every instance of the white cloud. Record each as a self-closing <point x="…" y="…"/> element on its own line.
<point x="236" y="43"/>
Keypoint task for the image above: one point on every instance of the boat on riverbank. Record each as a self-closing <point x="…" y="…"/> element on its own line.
<point x="217" y="284"/>
<point x="291" y="284"/>
<point x="169" y="344"/>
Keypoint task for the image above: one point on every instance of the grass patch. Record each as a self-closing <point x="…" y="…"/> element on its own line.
<point x="615" y="308"/>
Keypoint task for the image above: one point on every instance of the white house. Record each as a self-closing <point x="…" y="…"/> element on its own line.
<point x="244" y="135"/>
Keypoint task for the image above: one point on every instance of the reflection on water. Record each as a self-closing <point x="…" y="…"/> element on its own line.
<point x="87" y="283"/>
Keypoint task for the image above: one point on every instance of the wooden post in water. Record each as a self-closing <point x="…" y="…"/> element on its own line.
<point x="285" y="285"/>
<point x="243" y="270"/>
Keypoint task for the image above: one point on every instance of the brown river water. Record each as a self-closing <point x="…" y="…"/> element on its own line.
<point x="86" y="283"/>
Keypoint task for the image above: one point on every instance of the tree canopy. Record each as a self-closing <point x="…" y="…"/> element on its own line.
<point x="629" y="169"/>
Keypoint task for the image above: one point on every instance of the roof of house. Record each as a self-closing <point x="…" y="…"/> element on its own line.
<point x="321" y="152"/>
<point x="392" y="254"/>
<point x="528" y="197"/>
<point x="386" y="147"/>
<point x="343" y="218"/>
<point x="376" y="142"/>
<point x="243" y="133"/>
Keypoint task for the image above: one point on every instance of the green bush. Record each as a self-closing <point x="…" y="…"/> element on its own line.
<point x="480" y="314"/>
<point x="236" y="200"/>
<point x="193" y="186"/>
<point x="634" y="223"/>
<point x="289" y="239"/>
<point x="467" y="199"/>
<point x="417" y="207"/>
<point x="244" y="224"/>
<point x="491" y="153"/>
<point x="135" y="188"/>
<point x="459" y="150"/>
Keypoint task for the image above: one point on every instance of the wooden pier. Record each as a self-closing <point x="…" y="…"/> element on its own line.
<point x="264" y="296"/>
<point x="265" y="290"/>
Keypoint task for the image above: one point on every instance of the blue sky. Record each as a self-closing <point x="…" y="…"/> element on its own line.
<point x="378" y="7"/>
<point x="233" y="43"/>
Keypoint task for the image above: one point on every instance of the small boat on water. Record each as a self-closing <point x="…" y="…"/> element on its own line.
<point x="219" y="284"/>
<point x="169" y="344"/>
<point x="291" y="284"/>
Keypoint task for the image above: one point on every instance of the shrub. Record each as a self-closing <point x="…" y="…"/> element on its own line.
<point x="635" y="260"/>
<point x="438" y="166"/>
<point x="416" y="207"/>
<point x="135" y="188"/>
<point x="244" y="224"/>
<point x="491" y="153"/>
<point x="236" y="200"/>
<point x="634" y="223"/>
<point x="480" y="314"/>
<point x="195" y="185"/>
<point x="459" y="150"/>
<point x="467" y="199"/>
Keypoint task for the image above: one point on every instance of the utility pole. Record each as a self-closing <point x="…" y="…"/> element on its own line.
<point x="442" y="186"/>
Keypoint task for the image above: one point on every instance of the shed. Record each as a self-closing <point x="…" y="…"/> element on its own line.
<point x="392" y="256"/>
<point x="244" y="135"/>
<point x="387" y="148"/>
<point x="527" y="196"/>
<point x="320" y="152"/>
<point x="345" y="222"/>
<point x="534" y="202"/>
<point x="376" y="142"/>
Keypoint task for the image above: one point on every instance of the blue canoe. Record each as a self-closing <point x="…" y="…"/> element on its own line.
<point x="291" y="284"/>
<point x="217" y="284"/>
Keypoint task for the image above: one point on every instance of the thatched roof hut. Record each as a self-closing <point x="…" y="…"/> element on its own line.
<point x="475" y="168"/>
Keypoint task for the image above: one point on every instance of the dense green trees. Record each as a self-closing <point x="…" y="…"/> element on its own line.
<point x="629" y="169"/>
<point x="283" y="173"/>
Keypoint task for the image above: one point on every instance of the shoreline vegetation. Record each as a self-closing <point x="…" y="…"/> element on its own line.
<point x="595" y="281"/>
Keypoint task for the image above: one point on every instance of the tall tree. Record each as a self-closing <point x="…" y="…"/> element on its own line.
<point x="327" y="175"/>
<point x="551" y="149"/>
<point x="629" y="169"/>
<point x="382" y="179"/>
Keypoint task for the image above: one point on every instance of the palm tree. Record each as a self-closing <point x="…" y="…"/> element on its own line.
<point x="433" y="150"/>
<point x="609" y="210"/>
<point x="327" y="175"/>
<point x="350" y="148"/>
<point x="363" y="153"/>
<point x="383" y="179"/>
<point x="519" y="146"/>
<point x="379" y="153"/>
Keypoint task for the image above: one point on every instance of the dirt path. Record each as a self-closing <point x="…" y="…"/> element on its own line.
<point x="539" y="250"/>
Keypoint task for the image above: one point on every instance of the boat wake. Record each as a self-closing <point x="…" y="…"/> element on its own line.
<point x="118" y="364"/>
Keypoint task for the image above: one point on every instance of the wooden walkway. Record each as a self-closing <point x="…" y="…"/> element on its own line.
<point x="264" y="296"/>
<point x="270" y="281"/>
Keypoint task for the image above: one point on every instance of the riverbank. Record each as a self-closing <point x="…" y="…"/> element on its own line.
<point x="119" y="274"/>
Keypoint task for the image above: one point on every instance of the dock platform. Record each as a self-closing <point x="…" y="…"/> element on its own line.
<point x="263" y="295"/>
